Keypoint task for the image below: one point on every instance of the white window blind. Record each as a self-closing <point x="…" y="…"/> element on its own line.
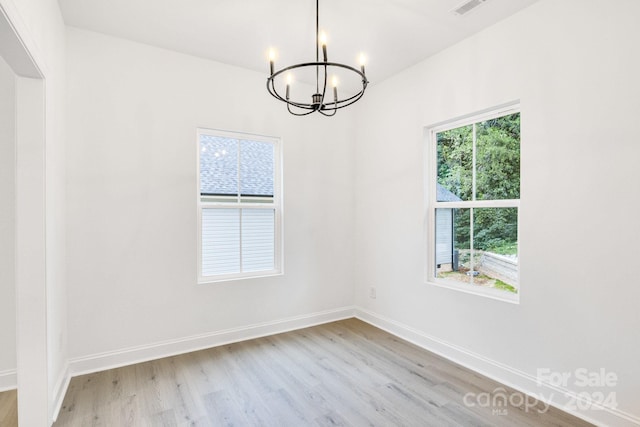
<point x="220" y="241"/>
<point x="257" y="239"/>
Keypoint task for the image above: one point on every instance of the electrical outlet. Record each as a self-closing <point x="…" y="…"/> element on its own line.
<point x="372" y="292"/>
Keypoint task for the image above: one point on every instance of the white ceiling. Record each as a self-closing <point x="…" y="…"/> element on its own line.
<point x="393" y="34"/>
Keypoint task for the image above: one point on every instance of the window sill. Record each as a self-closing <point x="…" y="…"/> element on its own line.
<point x="491" y="293"/>
<point x="241" y="276"/>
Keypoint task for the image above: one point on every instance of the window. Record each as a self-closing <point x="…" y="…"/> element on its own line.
<point x="239" y="206"/>
<point x="473" y="204"/>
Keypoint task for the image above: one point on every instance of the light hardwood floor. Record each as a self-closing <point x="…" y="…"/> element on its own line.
<point x="9" y="409"/>
<point x="341" y="373"/>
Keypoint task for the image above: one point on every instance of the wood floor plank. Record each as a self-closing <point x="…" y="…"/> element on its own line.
<point x="415" y="377"/>
<point x="9" y="408"/>
<point x="345" y="373"/>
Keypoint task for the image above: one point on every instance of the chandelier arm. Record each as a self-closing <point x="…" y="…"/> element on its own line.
<point x="333" y="112"/>
<point x="323" y="64"/>
<point x="348" y="101"/>
<point x="300" y="105"/>
<point x="271" y="88"/>
<point x="357" y="95"/>
<point x="298" y="114"/>
<point x="341" y="104"/>
<point x="337" y="105"/>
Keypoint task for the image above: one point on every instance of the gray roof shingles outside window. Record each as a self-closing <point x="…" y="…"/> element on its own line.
<point x="444" y="195"/>
<point x="219" y="166"/>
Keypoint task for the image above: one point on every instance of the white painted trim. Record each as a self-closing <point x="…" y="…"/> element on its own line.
<point x="491" y="293"/>
<point x="478" y="116"/>
<point x="504" y="203"/>
<point x="30" y="241"/>
<point x="31" y="251"/>
<point x="144" y="353"/>
<point x="8" y="380"/>
<point x="59" y="391"/>
<point x="521" y="381"/>
<point x="26" y="62"/>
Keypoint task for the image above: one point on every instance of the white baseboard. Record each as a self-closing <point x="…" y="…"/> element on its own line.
<point x="523" y="382"/>
<point x="132" y="355"/>
<point x="59" y="391"/>
<point x="8" y="380"/>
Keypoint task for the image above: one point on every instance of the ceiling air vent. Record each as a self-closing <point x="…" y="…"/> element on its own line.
<point x="467" y="6"/>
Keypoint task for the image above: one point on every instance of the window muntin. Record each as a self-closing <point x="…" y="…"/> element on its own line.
<point x="239" y="206"/>
<point x="473" y="214"/>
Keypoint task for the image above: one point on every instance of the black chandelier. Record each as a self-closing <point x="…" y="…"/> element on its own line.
<point x="322" y="70"/>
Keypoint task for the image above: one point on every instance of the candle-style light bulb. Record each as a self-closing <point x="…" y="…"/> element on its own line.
<point x="334" y="83"/>
<point x="363" y="60"/>
<point x="289" y="80"/>
<point x="272" y="57"/>
<point x="323" y="43"/>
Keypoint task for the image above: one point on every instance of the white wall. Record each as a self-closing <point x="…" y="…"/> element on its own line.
<point x="7" y="226"/>
<point x="132" y="115"/>
<point x="574" y="65"/>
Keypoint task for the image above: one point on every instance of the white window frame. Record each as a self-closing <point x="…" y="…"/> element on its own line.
<point x="432" y="204"/>
<point x="276" y="206"/>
